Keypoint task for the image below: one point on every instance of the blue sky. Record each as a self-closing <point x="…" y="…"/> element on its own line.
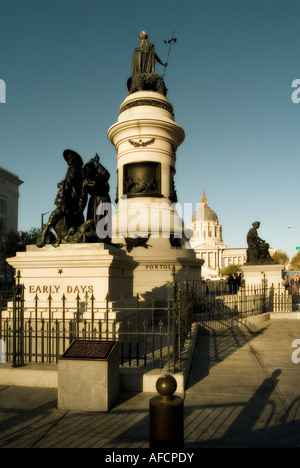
<point x="66" y="63"/>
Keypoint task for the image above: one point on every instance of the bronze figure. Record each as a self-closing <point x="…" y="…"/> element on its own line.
<point x="258" y="249"/>
<point x="143" y="76"/>
<point x="67" y="219"/>
<point x="144" y="57"/>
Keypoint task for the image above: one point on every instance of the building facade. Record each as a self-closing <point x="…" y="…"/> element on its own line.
<point x="9" y="201"/>
<point x="208" y="243"/>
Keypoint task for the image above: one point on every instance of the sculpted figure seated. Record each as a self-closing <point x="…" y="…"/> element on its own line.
<point x="258" y="249"/>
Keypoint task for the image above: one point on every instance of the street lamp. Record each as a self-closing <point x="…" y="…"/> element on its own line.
<point x="297" y="227"/>
<point x="44" y="214"/>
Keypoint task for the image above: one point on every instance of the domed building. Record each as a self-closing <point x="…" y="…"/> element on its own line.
<point x="208" y="243"/>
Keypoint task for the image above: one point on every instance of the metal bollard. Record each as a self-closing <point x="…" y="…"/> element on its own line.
<point x="166" y="416"/>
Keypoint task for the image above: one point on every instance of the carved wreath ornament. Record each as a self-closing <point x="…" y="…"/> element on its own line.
<point x="139" y="143"/>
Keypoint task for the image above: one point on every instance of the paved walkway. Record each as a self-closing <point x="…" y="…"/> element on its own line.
<point x="243" y="391"/>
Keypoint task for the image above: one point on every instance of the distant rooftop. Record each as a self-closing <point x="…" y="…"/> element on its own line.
<point x="10" y="176"/>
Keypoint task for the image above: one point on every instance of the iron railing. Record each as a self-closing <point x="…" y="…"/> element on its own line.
<point x="148" y="334"/>
<point x="218" y="307"/>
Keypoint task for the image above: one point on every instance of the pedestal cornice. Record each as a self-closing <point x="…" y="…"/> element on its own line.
<point x="122" y="131"/>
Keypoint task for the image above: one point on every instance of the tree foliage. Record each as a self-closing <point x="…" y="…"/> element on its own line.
<point x="230" y="269"/>
<point x="281" y="257"/>
<point x="10" y="244"/>
<point x="295" y="262"/>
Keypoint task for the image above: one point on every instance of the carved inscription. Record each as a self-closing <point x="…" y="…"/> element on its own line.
<point x="162" y="266"/>
<point x="60" y="289"/>
<point x="158" y="267"/>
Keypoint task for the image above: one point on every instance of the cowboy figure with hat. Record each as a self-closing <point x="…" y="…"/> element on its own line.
<point x="70" y="201"/>
<point x="72" y="192"/>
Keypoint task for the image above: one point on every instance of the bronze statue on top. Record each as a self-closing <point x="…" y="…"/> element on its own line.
<point x="258" y="249"/>
<point x="67" y="219"/>
<point x="143" y="76"/>
<point x="144" y="56"/>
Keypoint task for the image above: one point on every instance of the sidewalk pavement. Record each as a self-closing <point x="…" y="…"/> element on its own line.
<point x="243" y="392"/>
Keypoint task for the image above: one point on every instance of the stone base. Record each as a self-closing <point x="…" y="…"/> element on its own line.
<point x="88" y="384"/>
<point x="74" y="271"/>
<point x="255" y="274"/>
<point x="157" y="264"/>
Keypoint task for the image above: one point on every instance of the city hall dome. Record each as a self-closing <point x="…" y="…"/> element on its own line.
<point x="204" y="213"/>
<point x="208" y="243"/>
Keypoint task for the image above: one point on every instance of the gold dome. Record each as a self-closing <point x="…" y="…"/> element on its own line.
<point x="204" y="213"/>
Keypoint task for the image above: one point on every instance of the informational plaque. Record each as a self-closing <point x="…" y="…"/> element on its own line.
<point x="89" y="349"/>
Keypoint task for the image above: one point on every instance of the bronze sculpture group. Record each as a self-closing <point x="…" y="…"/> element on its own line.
<point x="83" y="186"/>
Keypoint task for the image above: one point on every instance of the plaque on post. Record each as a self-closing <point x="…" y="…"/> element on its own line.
<point x="88" y="376"/>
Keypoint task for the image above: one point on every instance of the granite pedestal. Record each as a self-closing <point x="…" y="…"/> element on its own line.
<point x="88" y="376"/>
<point x="75" y="272"/>
<point x="254" y="275"/>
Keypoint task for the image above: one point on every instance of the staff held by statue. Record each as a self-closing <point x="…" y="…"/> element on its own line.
<point x="170" y="42"/>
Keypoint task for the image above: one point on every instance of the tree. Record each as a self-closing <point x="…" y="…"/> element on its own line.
<point x="11" y="243"/>
<point x="281" y="257"/>
<point x="230" y="269"/>
<point x="295" y="262"/>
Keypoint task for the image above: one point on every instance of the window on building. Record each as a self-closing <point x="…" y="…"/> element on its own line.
<point x="2" y="216"/>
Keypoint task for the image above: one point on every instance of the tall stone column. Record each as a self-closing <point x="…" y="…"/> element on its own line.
<point x="146" y="138"/>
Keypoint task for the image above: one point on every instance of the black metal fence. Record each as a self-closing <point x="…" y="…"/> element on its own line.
<point x="220" y="306"/>
<point x="148" y="334"/>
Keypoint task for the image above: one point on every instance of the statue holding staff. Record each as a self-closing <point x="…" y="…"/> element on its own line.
<point x="144" y="57"/>
<point x="143" y="76"/>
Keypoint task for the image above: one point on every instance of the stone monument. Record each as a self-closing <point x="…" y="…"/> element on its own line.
<point x="145" y="242"/>
<point x="260" y="266"/>
<point x="146" y="138"/>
